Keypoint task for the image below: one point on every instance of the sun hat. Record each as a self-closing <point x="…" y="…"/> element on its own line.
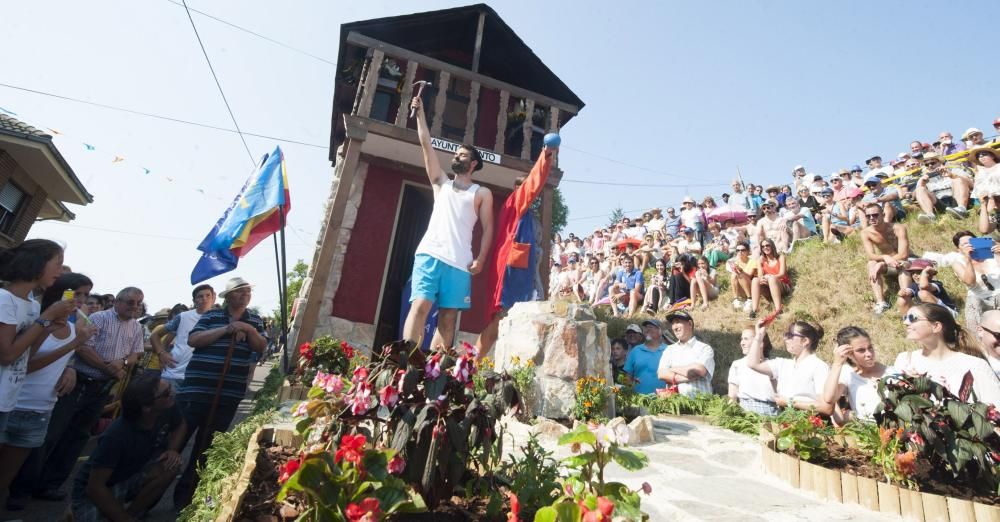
<point x="974" y="155"/>
<point x="932" y="156"/>
<point x="857" y="168"/>
<point x="633" y="328"/>
<point x="687" y="199"/>
<point x="798" y="167"/>
<point x="996" y="122"/>
<point x="772" y="188"/>
<point x="235" y="283"/>
<point x="851" y="193"/>
<point x="970" y="131"/>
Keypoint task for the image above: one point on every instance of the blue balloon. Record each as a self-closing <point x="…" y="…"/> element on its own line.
<point x="552" y="140"/>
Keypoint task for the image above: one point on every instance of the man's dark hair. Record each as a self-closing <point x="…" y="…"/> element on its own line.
<point x="26" y="262"/>
<point x="139" y="393"/>
<point x="959" y="235"/>
<point x="67" y="281"/>
<point x="199" y="288"/>
<point x="475" y="155"/>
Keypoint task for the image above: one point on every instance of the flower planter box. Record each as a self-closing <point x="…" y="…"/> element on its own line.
<point x="837" y="486"/>
<point x="283" y="436"/>
<point x="292" y="392"/>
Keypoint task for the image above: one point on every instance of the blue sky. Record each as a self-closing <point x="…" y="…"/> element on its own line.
<point x="691" y="90"/>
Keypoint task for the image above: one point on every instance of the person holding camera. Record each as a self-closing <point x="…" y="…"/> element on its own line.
<point x="924" y="288"/>
<point x="980" y="275"/>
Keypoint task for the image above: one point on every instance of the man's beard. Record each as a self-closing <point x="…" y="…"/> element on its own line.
<point x="459" y="167"/>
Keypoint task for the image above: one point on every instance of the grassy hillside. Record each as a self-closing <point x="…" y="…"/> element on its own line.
<point x="830" y="288"/>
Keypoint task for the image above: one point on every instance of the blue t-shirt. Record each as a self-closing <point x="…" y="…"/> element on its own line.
<point x="631" y="279"/>
<point x="642" y="364"/>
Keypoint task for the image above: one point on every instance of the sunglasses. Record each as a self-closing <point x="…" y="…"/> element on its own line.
<point x="986" y="283"/>
<point x="741" y="249"/>
<point x="910" y="318"/>
<point x="873" y="216"/>
<point x="789" y="335"/>
<point x="996" y="335"/>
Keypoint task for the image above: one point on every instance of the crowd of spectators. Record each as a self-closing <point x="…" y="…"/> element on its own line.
<point x="749" y="235"/>
<point x="74" y="363"/>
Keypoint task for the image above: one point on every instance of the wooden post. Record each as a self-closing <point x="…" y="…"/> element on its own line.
<point x="502" y="122"/>
<point x="442" y="97"/>
<point x="407" y="94"/>
<point x="361" y="83"/>
<point x="371" y="83"/>
<point x="553" y="119"/>
<point x="546" y="237"/>
<point x="529" y="111"/>
<point x="471" y="112"/>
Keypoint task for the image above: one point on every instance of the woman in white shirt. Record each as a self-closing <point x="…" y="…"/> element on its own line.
<point x="857" y="380"/>
<point x="704" y="284"/>
<point x="947" y="352"/>
<point x="752" y="390"/>
<point x="800" y="381"/>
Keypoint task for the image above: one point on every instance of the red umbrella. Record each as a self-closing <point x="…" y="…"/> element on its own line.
<point x="621" y="244"/>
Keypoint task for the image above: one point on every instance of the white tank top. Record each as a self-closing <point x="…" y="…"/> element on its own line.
<point x="449" y="233"/>
<point x="38" y="393"/>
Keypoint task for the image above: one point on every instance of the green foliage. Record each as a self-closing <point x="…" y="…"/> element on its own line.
<point x="560" y="212"/>
<point x="616" y="216"/>
<point x="806" y="436"/>
<point x="266" y="398"/>
<point x="325" y="354"/>
<point x="522" y="374"/>
<point x="717" y="410"/>
<point x="295" y="279"/>
<point x="534" y="477"/>
<point x="591" y="399"/>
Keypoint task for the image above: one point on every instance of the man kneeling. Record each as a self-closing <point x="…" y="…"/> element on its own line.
<point x="136" y="458"/>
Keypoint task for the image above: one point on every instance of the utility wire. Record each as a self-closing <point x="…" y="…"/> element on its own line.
<point x="217" y="84"/>
<point x="258" y="35"/>
<point x="638" y="167"/>
<point x="652" y="185"/>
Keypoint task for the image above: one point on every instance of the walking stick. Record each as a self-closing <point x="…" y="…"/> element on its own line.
<point x="207" y="427"/>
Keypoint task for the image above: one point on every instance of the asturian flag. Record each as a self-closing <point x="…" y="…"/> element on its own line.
<point x="257" y="212"/>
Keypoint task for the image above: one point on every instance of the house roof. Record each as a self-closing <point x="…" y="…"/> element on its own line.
<point x="34" y="150"/>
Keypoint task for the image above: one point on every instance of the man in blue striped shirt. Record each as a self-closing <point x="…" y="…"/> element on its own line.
<point x="230" y="328"/>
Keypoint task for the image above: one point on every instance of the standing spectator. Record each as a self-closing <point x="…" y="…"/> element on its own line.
<point x="800" y="381"/>
<point x="770" y="273"/>
<point x="673" y="223"/>
<point x="947" y="352"/>
<point x="691" y="216"/>
<point x="741" y="269"/>
<point x="136" y="458"/>
<point x="107" y="357"/>
<point x="704" y="284"/>
<point x="857" y="380"/>
<point x="689" y="363"/>
<point x="756" y="198"/>
<point x="740" y="198"/>
<point x="887" y="246"/>
<point x="874" y="163"/>
<point x="799" y="176"/>
<point x="644" y="360"/>
<point x="946" y="145"/>
<point x="174" y="362"/>
<point x="752" y="390"/>
<point x="656" y="222"/>
<point x="634" y="335"/>
<point x="93" y="305"/>
<point x="216" y="377"/>
<point x="916" y="149"/>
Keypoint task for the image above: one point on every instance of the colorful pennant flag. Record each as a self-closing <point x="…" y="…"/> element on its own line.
<point x="88" y="146"/>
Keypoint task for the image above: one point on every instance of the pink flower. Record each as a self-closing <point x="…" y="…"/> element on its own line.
<point x="361" y="399"/>
<point x="470" y="350"/>
<point x="432" y="369"/>
<point x="992" y="414"/>
<point x="464" y="369"/>
<point x="646" y="488"/>
<point x="388" y="396"/>
<point x="301" y="410"/>
<point x="331" y="383"/>
<point x="396" y="465"/>
<point x="360" y="374"/>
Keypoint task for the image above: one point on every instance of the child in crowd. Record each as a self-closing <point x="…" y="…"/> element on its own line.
<point x="619" y="353"/>
<point x="924" y="289"/>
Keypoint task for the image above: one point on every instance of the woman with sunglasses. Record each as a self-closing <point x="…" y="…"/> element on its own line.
<point x="590" y="279"/>
<point x="980" y="276"/>
<point x="769" y="274"/>
<point x="800" y="381"/>
<point x="857" y="380"/>
<point x="989" y="338"/>
<point x="947" y="352"/>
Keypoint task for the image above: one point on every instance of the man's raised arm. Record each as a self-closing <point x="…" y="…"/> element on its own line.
<point x="431" y="164"/>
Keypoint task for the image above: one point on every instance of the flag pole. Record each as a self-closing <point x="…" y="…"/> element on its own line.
<point x="283" y="283"/>
<point x="281" y="298"/>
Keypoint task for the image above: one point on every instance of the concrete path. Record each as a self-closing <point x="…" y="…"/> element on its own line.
<point x="701" y="472"/>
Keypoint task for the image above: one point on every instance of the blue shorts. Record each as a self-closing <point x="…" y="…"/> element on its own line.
<point x="441" y="283"/>
<point x="25" y="429"/>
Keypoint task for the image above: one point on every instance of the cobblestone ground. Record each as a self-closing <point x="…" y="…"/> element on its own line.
<point x="700" y="472"/>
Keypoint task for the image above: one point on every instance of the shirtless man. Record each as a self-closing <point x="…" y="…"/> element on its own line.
<point x="444" y="266"/>
<point x="887" y="247"/>
<point x="771" y="226"/>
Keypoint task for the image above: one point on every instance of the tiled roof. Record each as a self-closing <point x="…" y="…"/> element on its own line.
<point x="11" y="125"/>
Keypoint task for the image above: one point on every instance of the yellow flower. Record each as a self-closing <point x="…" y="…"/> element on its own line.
<point x="530" y="363"/>
<point x="587" y="404"/>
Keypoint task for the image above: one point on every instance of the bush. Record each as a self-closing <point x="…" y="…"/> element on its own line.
<point x="534" y="477"/>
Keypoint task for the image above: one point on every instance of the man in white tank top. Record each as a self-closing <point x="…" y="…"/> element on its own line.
<point x="444" y="265"/>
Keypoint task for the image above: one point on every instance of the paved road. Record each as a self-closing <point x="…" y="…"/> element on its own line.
<point x="41" y="511"/>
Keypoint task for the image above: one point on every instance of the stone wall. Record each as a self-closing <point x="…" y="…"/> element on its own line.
<point x="565" y="341"/>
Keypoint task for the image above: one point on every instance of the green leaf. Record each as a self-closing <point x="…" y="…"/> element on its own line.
<point x="784" y="443"/>
<point x="629" y="459"/>
<point x="303" y="425"/>
<point x="581" y="435"/>
<point x="375" y="463"/>
<point x="403" y="428"/>
<point x="410" y="380"/>
<point x="568" y="512"/>
<point x="546" y="514"/>
<point x="981" y="428"/>
<point x="578" y="461"/>
<point x="390" y="499"/>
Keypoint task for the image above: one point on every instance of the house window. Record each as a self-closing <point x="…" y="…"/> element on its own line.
<point x="11" y="200"/>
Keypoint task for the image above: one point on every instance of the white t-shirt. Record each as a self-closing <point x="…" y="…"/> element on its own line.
<point x="751" y="383"/>
<point x="181" y="351"/>
<point x="950" y="371"/>
<point x="691" y="352"/>
<point x="804" y="379"/>
<point x="38" y="392"/>
<point x="861" y="391"/>
<point x="21" y="313"/>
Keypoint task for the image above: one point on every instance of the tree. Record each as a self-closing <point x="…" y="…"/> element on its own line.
<point x="295" y="279"/>
<point x="560" y="212"/>
<point x="616" y="216"/>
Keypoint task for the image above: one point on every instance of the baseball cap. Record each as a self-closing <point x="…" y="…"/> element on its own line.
<point x="872" y="178"/>
<point x="688" y="229"/>
<point x="679" y="314"/>
<point x="633" y="328"/>
<point x="798" y="167"/>
<point x="652" y="322"/>
<point x="827" y="191"/>
<point x="856" y="168"/>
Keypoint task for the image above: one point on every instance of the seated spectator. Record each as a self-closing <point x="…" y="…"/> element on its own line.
<point x="752" y="390"/>
<point x="634" y="336"/>
<point x="718" y="250"/>
<point x="800" y="221"/>
<point x="874" y="163"/>
<point x="973" y="138"/>
<point x="681" y="273"/>
<point x="838" y="185"/>
<point x="627" y="290"/>
<point x="988" y="333"/>
<point x="886" y="197"/>
<point x="947" y="352"/>
<point x="887" y="246"/>
<point x="619" y="354"/>
<point x="987" y="184"/>
<point x="806" y="200"/>
<point x="689" y="363"/>
<point x="688" y="243"/>
<point x="772" y="195"/>
<point x="769" y="275"/>
<point x="844" y="217"/>
<point x="784" y="195"/>
<point x="800" y="381"/>
<point x="741" y="270"/>
<point x="692" y="217"/>
<point x="857" y="380"/>
<point x="946" y="145"/>
<point x="589" y="287"/>
<point x="649" y="251"/>
<point x="980" y="276"/>
<point x="657" y="297"/>
<point x="644" y="360"/>
<point x="773" y="227"/>
<point x="817" y="184"/>
<point x="916" y="149"/>
<point x="136" y="458"/>
<point x="741" y="198"/>
<point x="857" y="176"/>
<point x="756" y="196"/>
<point x="923" y="289"/>
<point x="941" y="189"/>
<point x="704" y="284"/>
<point x="799" y="176"/>
<point x="673" y="223"/>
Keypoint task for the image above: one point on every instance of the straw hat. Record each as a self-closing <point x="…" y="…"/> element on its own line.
<point x="974" y="155"/>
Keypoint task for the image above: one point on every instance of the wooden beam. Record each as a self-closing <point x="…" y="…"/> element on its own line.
<point x="479" y="42"/>
<point x="554" y="119"/>
<point x="502" y="122"/>
<point x="439" y="102"/>
<point x="371" y="83"/>
<point x="404" y="97"/>
<point x="323" y="261"/>
<point x="526" y="132"/>
<point x="471" y="112"/>
<point x="546" y="237"/>
<point x="361" y="40"/>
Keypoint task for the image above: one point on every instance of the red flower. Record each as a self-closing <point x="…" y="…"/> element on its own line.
<point x="816" y="421"/>
<point x="351" y="448"/>
<point x="396" y="465"/>
<point x="347" y="349"/>
<point x="306" y="351"/>
<point x="992" y="414"/>
<point x="906" y="463"/>
<point x="388" y="396"/>
<point x="603" y="512"/>
<point x="917" y="439"/>
<point x="289" y="469"/>
<point x="515" y="508"/>
<point x="360" y="374"/>
<point x="367" y="510"/>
